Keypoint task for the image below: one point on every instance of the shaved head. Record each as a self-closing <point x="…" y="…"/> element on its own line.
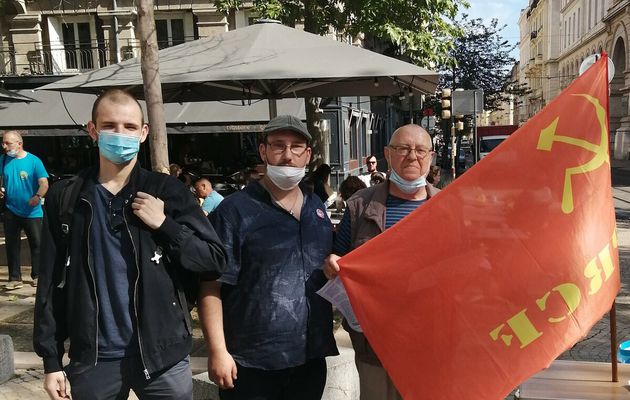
<point x="14" y="134"/>
<point x="203" y="181"/>
<point x="412" y="130"/>
<point x="116" y="96"/>
<point x="203" y="187"/>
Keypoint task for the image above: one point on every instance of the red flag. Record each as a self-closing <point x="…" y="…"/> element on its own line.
<point x="510" y="265"/>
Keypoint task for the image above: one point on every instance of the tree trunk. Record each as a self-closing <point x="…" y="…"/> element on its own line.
<point x="318" y="144"/>
<point x="150" y="66"/>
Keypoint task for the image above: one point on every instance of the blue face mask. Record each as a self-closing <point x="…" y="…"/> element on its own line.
<point x="118" y="148"/>
<point x="406" y="186"/>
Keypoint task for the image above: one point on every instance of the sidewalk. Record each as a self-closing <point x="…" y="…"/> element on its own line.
<point x="16" y="320"/>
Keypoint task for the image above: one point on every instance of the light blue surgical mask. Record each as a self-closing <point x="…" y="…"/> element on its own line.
<point x="406" y="186"/>
<point x="118" y="148"/>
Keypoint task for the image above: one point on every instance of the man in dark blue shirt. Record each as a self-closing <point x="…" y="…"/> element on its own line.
<point x="263" y="320"/>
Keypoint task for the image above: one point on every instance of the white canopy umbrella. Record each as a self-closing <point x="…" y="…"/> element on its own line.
<point x="262" y="61"/>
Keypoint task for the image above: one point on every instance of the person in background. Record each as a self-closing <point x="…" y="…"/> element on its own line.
<point x="370" y="165"/>
<point x="174" y="170"/>
<point x="435" y="173"/>
<point x="251" y="175"/>
<point x="349" y="186"/>
<point x="377" y="177"/>
<point x="262" y="320"/>
<point x="319" y="179"/>
<point x="370" y="212"/>
<point x="211" y="198"/>
<point x="113" y="285"/>
<point x="187" y="177"/>
<point x="25" y="183"/>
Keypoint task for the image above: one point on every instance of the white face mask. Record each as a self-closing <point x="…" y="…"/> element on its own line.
<point x="285" y="178"/>
<point x="406" y="186"/>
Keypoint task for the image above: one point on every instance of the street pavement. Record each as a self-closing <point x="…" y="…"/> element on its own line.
<point x="16" y="309"/>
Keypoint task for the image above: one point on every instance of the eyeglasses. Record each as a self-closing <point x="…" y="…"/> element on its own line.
<point x="116" y="210"/>
<point x="371" y="162"/>
<point x="279" y="148"/>
<point x="405" y="150"/>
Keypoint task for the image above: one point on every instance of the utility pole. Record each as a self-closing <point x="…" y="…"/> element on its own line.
<point x="150" y="67"/>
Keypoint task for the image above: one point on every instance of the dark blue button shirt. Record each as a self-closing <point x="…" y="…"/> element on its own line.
<point x="115" y="273"/>
<point x="272" y="317"/>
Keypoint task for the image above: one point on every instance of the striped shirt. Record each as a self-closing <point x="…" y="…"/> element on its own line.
<point x="395" y="210"/>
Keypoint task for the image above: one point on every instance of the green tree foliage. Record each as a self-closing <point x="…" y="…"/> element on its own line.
<point x="483" y="61"/>
<point x="420" y="30"/>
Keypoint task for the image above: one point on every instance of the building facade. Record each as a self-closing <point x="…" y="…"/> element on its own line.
<point x="51" y="37"/>
<point x="577" y="29"/>
<point x="539" y="51"/>
<point x="508" y="113"/>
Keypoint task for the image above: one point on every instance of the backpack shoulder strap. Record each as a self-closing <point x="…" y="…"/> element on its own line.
<point x="67" y="201"/>
<point x="68" y="198"/>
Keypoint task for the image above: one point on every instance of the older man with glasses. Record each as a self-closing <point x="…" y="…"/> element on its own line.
<point x="370" y="212"/>
<point x="263" y="321"/>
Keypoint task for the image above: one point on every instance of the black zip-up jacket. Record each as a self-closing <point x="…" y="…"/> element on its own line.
<point x="66" y="305"/>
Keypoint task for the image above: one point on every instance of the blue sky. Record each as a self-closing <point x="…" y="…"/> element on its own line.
<point x="506" y="11"/>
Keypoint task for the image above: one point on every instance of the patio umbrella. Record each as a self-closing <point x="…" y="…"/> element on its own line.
<point x="12" y="97"/>
<point x="262" y="61"/>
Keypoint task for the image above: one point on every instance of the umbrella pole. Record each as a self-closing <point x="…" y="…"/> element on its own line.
<point x="613" y="342"/>
<point x="273" y="108"/>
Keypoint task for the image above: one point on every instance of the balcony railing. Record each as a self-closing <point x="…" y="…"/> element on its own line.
<point x="34" y="58"/>
<point x="56" y="59"/>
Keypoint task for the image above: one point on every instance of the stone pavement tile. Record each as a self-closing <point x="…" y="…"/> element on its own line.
<point x="12" y="307"/>
<point x="26" y="384"/>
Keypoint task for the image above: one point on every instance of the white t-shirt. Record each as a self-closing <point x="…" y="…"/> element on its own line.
<point x="366" y="178"/>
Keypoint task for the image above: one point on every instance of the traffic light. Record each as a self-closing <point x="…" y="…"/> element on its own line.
<point x="446" y="104"/>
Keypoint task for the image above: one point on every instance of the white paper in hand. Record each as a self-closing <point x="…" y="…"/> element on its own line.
<point x="335" y="293"/>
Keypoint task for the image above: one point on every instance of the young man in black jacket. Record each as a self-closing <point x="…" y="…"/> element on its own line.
<point x="112" y="279"/>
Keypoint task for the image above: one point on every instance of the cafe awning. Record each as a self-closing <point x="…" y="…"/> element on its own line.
<point x="66" y="114"/>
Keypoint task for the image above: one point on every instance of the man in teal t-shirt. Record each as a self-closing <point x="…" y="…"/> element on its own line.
<point x="210" y="198"/>
<point x="24" y="184"/>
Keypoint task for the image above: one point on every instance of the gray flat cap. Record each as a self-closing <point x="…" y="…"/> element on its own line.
<point x="288" y="123"/>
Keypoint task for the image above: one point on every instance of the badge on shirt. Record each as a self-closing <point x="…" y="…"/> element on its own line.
<point x="157" y="255"/>
<point x="321" y="214"/>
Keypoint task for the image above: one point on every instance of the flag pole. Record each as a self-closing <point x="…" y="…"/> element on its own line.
<point x="613" y="309"/>
<point x="613" y="342"/>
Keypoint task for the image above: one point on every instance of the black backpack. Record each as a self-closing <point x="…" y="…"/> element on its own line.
<point x="68" y="199"/>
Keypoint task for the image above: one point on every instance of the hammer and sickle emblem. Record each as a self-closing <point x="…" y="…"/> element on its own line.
<point x="548" y="137"/>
